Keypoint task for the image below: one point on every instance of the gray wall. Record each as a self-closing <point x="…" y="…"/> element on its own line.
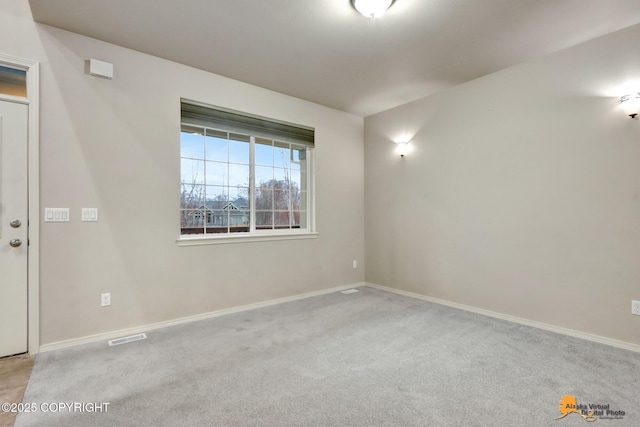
<point x="114" y="145"/>
<point x="522" y="194"/>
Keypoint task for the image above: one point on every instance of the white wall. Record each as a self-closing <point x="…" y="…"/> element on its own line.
<point x="522" y="194"/>
<point x="114" y="145"/>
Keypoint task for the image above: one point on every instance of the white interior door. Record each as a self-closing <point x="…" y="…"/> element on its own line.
<point x="13" y="227"/>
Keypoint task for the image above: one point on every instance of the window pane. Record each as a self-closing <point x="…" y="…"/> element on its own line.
<point x="300" y="161"/>
<point x="217" y="146"/>
<point x="300" y="200"/>
<point x="296" y="159"/>
<point x="191" y="196"/>
<point x="191" y="222"/>
<point x="13" y="82"/>
<point x="238" y="221"/>
<point x="217" y="173"/>
<point x="294" y="201"/>
<point x="264" y="152"/>
<point x="239" y="196"/>
<point x="192" y="171"/>
<point x="264" y="199"/>
<point x="282" y="155"/>
<point x="281" y="199"/>
<point x="299" y="219"/>
<point x="264" y="176"/>
<point x="280" y="175"/>
<point x="192" y="142"/>
<point x="216" y="195"/>
<point x="239" y="148"/>
<point x="217" y="221"/>
<point x="238" y="175"/>
<point x="281" y="219"/>
<point x="295" y="177"/>
<point x="264" y="220"/>
<point x="298" y="155"/>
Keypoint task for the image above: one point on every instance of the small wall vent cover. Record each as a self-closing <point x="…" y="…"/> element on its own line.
<point x="349" y="291"/>
<point x="125" y="340"/>
<point x="101" y="69"/>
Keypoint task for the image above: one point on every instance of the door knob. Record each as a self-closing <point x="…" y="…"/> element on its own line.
<point x="15" y="243"/>
<point x="15" y="223"/>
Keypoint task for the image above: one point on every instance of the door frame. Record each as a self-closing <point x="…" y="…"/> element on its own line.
<point x="33" y="187"/>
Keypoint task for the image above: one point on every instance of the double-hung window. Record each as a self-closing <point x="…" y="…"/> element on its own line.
<point x="243" y="176"/>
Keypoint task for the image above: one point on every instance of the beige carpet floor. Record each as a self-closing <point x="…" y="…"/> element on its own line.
<point x="367" y="359"/>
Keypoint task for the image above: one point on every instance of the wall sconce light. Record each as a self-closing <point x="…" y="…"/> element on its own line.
<point x="372" y="8"/>
<point x="402" y="148"/>
<point x="631" y="104"/>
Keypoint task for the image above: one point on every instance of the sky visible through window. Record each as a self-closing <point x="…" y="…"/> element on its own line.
<point x="195" y="148"/>
<point x="216" y="169"/>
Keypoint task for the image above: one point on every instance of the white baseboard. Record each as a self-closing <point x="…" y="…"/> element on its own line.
<point x="139" y="329"/>
<point x="144" y="328"/>
<point x="547" y="327"/>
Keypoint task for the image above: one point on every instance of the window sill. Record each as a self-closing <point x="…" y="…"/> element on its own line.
<point x="219" y="240"/>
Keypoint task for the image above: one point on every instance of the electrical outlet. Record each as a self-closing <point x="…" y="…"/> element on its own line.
<point x="635" y="308"/>
<point x="355" y="264"/>
<point x="106" y="299"/>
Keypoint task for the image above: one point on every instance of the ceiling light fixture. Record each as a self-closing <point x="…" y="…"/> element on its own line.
<point x="372" y="8"/>
<point x="631" y="104"/>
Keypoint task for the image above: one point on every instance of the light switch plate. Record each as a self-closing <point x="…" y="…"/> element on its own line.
<point x="89" y="214"/>
<point x="56" y="214"/>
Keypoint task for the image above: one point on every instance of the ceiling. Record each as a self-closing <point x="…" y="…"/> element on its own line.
<point x="324" y="51"/>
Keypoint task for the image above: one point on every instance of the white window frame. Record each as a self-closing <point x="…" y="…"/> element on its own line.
<point x="254" y="235"/>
